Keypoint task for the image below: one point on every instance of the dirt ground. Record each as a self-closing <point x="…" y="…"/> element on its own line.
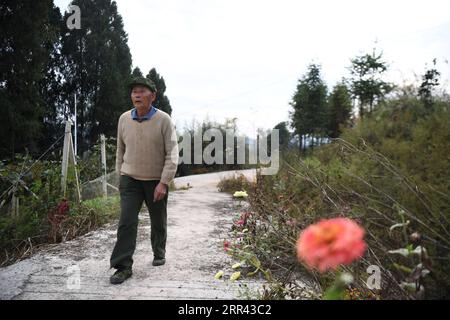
<point x="199" y="219"/>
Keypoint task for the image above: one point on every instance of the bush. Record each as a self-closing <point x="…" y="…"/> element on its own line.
<point x="391" y="169"/>
<point x="44" y="215"/>
<point x="236" y="183"/>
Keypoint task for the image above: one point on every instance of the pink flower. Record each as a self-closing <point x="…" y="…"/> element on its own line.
<point x="63" y="207"/>
<point x="239" y="222"/>
<point x="291" y="222"/>
<point x="330" y="243"/>
<point x="245" y="216"/>
<point x="226" y="245"/>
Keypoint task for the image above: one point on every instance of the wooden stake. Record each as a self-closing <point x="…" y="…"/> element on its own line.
<point x="65" y="157"/>
<point x="69" y="156"/>
<point x="74" y="161"/>
<point x="103" y="150"/>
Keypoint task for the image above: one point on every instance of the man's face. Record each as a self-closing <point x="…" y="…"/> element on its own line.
<point x="142" y="97"/>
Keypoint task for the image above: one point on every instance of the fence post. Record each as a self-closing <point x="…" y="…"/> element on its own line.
<point x="14" y="204"/>
<point x="68" y="156"/>
<point x="103" y="150"/>
<point x="74" y="161"/>
<point x="65" y="158"/>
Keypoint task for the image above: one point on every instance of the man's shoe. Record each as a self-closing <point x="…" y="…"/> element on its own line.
<point x="120" y="276"/>
<point x="158" y="262"/>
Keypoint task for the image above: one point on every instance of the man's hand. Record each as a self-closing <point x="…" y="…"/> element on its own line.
<point x="160" y="191"/>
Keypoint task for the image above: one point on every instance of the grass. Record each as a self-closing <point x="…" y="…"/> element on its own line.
<point x="108" y="208"/>
<point x="24" y="235"/>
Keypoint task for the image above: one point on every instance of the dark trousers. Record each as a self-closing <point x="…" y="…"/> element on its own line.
<point x="132" y="195"/>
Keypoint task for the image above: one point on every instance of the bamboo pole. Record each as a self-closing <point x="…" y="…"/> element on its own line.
<point x="69" y="156"/>
<point x="65" y="157"/>
<point x="103" y="150"/>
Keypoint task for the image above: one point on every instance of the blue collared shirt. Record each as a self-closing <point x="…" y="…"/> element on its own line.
<point x="148" y="116"/>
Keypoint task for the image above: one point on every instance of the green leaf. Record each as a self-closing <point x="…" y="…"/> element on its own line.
<point x="219" y="275"/>
<point x="410" y="286"/>
<point x="240" y="194"/>
<point x="251" y="274"/>
<point x="255" y="262"/>
<point x="402" y="268"/>
<point x="334" y="293"/>
<point x="235" y="276"/>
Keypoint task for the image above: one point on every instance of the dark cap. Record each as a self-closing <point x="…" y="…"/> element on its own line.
<point x="141" y="81"/>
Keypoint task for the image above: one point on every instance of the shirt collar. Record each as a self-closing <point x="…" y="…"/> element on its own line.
<point x="148" y="116"/>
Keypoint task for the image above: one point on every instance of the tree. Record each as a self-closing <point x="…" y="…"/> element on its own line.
<point x="340" y="108"/>
<point x="309" y="102"/>
<point x="161" y="102"/>
<point x="51" y="85"/>
<point x="136" y="73"/>
<point x="429" y="80"/>
<point x="27" y="35"/>
<point x="98" y="69"/>
<point x="367" y="84"/>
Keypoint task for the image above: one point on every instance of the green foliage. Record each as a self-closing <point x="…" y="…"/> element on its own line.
<point x="24" y="53"/>
<point x="429" y="80"/>
<point x="197" y="130"/>
<point x="104" y="207"/>
<point x="367" y="84"/>
<point x="231" y="185"/>
<point x="97" y="68"/>
<point x="136" y="73"/>
<point x="161" y="102"/>
<point x="340" y="108"/>
<point x="90" y="166"/>
<point x="391" y="167"/>
<point x="39" y="192"/>
<point x="44" y="65"/>
<point x="309" y="102"/>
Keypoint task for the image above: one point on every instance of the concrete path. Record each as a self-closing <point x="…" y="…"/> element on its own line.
<point x="199" y="221"/>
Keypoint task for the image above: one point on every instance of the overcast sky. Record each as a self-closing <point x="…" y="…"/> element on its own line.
<point x="242" y="59"/>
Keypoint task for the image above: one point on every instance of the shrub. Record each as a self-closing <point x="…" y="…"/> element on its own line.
<point x="390" y="174"/>
<point x="44" y="215"/>
<point x="233" y="184"/>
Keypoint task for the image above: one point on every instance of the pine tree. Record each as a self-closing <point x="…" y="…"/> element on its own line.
<point x="340" y="108"/>
<point x="429" y="80"/>
<point x="367" y="84"/>
<point x="51" y="86"/>
<point x="98" y="69"/>
<point x="136" y="72"/>
<point x="161" y="102"/>
<point x="309" y="117"/>
<point x="27" y="34"/>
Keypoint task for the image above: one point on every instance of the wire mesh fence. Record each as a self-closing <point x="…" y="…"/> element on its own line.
<point x="94" y="189"/>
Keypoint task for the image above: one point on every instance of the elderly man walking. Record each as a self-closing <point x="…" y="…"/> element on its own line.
<point x="146" y="159"/>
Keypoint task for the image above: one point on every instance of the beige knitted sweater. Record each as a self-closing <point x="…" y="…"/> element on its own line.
<point x="147" y="150"/>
